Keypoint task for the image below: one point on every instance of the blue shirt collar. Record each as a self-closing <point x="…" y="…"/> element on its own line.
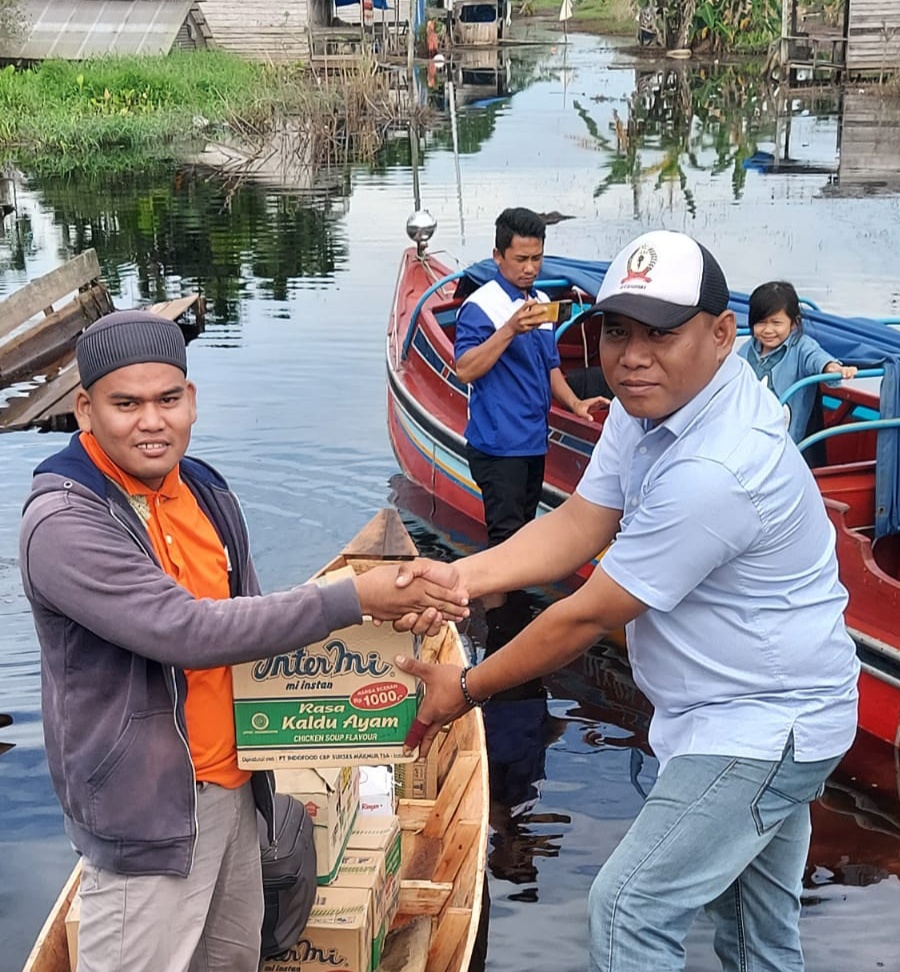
<point x="679" y="421"/>
<point x="513" y="292"/>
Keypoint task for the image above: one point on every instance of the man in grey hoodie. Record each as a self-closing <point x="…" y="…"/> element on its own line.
<point x="136" y="561"/>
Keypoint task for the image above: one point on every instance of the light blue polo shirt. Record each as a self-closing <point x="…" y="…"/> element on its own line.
<point x="725" y="537"/>
<point x="509" y="405"/>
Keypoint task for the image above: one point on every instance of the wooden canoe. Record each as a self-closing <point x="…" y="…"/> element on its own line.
<point x="444" y="840"/>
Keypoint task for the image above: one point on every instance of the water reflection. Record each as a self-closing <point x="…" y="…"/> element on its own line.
<point x="518" y="734"/>
<point x="519" y="728"/>
<point x="682" y="121"/>
<point x="164" y="236"/>
<point x="679" y="122"/>
<point x="856" y="823"/>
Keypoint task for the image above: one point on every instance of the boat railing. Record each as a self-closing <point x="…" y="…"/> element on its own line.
<point x="420" y="303"/>
<point x="456" y="275"/>
<point x="866" y="425"/>
<point x="830" y="378"/>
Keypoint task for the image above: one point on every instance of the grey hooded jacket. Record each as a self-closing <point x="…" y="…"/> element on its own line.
<point x="116" y="633"/>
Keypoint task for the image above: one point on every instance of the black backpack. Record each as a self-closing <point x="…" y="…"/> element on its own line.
<point x="289" y="875"/>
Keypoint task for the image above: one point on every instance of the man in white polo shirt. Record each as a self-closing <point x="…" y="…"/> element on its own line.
<point x="724" y="572"/>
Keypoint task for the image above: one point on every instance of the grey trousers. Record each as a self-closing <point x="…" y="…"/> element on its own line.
<point x="207" y="922"/>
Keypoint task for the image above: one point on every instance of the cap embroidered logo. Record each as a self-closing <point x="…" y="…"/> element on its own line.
<point x="639" y="264"/>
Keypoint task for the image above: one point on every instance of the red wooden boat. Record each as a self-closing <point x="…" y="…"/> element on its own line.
<point x="427" y="414"/>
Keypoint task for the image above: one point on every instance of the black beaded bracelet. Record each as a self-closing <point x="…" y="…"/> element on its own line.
<point x="467" y="698"/>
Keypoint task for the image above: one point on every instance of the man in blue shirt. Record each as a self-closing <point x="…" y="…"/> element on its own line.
<point x="506" y="351"/>
<point x="724" y="573"/>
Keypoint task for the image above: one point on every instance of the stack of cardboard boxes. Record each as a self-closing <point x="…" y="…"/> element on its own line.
<point x="331" y="797"/>
<point x="358" y="869"/>
<point x="319" y="717"/>
<point x="372" y="863"/>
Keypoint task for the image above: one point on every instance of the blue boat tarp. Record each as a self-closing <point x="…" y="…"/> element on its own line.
<point x="853" y="340"/>
<point x="870" y="344"/>
<point x="587" y="275"/>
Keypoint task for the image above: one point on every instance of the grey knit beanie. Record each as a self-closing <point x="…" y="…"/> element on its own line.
<point x="126" y="338"/>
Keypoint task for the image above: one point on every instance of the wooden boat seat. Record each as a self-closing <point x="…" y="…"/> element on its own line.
<point x="852" y="483"/>
<point x="446" y="316"/>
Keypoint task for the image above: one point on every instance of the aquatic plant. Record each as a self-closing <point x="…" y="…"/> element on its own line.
<point x="130" y="112"/>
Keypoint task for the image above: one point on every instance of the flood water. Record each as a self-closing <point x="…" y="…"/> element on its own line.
<point x="292" y="410"/>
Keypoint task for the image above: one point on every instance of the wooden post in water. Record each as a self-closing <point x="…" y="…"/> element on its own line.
<point x="451" y="97"/>
<point x="410" y="41"/>
<point x="784" y="73"/>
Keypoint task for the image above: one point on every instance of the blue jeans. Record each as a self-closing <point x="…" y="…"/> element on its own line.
<point x="729" y="835"/>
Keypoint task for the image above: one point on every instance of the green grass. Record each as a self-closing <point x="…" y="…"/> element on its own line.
<point x="62" y="115"/>
<point x="114" y="114"/>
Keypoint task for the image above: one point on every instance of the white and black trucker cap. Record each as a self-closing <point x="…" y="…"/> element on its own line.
<point x="663" y="279"/>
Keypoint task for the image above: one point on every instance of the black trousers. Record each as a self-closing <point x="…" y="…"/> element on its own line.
<point x="510" y="490"/>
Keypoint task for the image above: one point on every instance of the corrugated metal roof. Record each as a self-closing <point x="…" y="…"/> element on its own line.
<point x="78" y="29"/>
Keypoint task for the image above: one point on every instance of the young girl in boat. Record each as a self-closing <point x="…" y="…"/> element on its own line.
<point x="780" y="353"/>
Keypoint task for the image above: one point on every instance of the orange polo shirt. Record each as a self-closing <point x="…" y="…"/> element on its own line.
<point x="190" y="551"/>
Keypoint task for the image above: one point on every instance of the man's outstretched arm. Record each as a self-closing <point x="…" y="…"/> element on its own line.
<point x="556" y="637"/>
<point x="548" y="549"/>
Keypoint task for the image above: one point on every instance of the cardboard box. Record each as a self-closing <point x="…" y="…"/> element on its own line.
<point x="376" y="789"/>
<point x="366" y="870"/>
<point x="337" y="937"/>
<point x="73" y="916"/>
<point x="331" y="798"/>
<point x="381" y="834"/>
<point x="418" y="780"/>
<point x="342" y="700"/>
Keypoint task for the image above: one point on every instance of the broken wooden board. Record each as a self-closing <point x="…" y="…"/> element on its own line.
<point x="24" y="355"/>
<point x="49" y="405"/>
<point x="45" y="403"/>
<point x="173" y="309"/>
<point x="43" y="292"/>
